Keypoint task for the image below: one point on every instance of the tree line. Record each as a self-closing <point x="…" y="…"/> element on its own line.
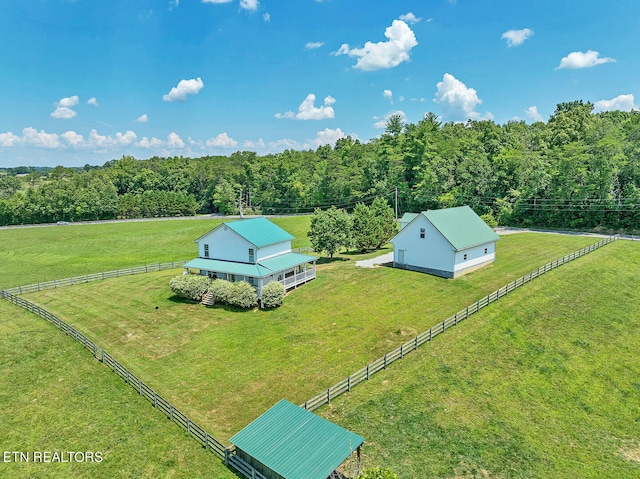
<point x="579" y="170"/>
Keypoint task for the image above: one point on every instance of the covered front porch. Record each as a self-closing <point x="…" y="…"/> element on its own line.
<point x="291" y="270"/>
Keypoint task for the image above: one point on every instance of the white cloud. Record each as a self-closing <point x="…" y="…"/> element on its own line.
<point x="249" y="4"/>
<point x="174" y="141"/>
<point x="222" y="141"/>
<point x="69" y="102"/>
<point x="458" y="101"/>
<point x="9" y="139"/>
<point x="308" y="111"/>
<point x="533" y="115"/>
<point x="72" y="138"/>
<point x="583" y="60"/>
<point x="388" y="94"/>
<point x="127" y="138"/>
<point x="142" y="118"/>
<point x="92" y="101"/>
<point x="97" y="140"/>
<point x="63" y="109"/>
<point x="517" y="37"/>
<point x="254" y="144"/>
<point x="313" y="45"/>
<point x="381" y="55"/>
<point x="621" y="102"/>
<point x="328" y="137"/>
<point x="284" y="144"/>
<point x="410" y="18"/>
<point x="40" y="139"/>
<point x="150" y="143"/>
<point x="382" y="122"/>
<point x="184" y="88"/>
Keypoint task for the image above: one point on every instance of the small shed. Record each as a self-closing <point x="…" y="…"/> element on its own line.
<point x="448" y="242"/>
<point x="289" y="442"/>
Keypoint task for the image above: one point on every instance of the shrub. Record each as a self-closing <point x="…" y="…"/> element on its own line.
<point x="378" y="473"/>
<point x="490" y="220"/>
<point x="242" y="294"/>
<point x="219" y="288"/>
<point x="272" y="294"/>
<point x="190" y="286"/>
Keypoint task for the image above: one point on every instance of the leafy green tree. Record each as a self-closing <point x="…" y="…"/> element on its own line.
<point x="330" y="230"/>
<point x="386" y="225"/>
<point x="365" y="229"/>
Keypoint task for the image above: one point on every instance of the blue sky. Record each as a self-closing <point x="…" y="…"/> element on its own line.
<point x="87" y="81"/>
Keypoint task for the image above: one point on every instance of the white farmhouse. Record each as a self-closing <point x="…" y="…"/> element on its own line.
<point x="253" y="250"/>
<point x="448" y="242"/>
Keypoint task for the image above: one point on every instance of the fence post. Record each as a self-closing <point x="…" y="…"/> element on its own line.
<point x="367" y="372"/>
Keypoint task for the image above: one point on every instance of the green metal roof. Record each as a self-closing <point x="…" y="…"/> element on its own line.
<point x="461" y="226"/>
<point x="286" y="261"/>
<point x="408" y="217"/>
<point x="242" y="269"/>
<point x="263" y="268"/>
<point x="259" y="231"/>
<point x="296" y="443"/>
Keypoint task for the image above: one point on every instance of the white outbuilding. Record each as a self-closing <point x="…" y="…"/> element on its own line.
<point x="447" y="243"/>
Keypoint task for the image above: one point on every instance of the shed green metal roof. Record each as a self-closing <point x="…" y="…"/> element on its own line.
<point x="461" y="226"/>
<point x="259" y="231"/>
<point x="241" y="269"/>
<point x="296" y="443"/>
<point x="408" y="217"/>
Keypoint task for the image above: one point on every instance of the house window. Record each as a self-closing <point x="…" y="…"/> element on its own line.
<point x="252" y="255"/>
<point x="213" y="275"/>
<point x="422" y="233"/>
<point x="231" y="277"/>
<point x="251" y="281"/>
<point x="206" y="251"/>
<point x="465" y="257"/>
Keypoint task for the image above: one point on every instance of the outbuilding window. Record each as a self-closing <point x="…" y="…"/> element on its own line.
<point x="422" y="233"/>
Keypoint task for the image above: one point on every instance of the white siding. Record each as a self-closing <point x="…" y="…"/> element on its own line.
<point x="475" y="256"/>
<point x="431" y="252"/>
<point x="273" y="250"/>
<point x="225" y="244"/>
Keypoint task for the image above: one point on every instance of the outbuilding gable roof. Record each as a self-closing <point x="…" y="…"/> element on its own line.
<point x="460" y="226"/>
<point x="258" y="231"/>
<point x="296" y="443"/>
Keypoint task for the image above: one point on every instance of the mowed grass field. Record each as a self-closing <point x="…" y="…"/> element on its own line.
<point x="504" y="395"/>
<point x="543" y="384"/>
<point x="55" y="397"/>
<point x="32" y="255"/>
<point x="224" y="367"/>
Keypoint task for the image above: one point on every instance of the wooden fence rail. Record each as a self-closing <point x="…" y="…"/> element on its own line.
<point x="86" y="278"/>
<point x="173" y="413"/>
<point x="381" y="363"/>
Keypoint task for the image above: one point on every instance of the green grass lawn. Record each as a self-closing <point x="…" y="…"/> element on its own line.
<point x="224" y="367"/>
<point x="55" y="397"/>
<point x="32" y="255"/>
<point x="543" y="384"/>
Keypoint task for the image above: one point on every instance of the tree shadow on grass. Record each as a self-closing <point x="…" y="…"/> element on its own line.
<point x="335" y="259"/>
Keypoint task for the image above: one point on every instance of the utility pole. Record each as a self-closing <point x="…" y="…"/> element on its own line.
<point x="396" y="203"/>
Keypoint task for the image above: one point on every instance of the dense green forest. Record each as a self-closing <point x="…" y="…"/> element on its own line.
<point x="578" y="170"/>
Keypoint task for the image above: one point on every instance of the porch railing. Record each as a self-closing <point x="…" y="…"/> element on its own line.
<point x="299" y="278"/>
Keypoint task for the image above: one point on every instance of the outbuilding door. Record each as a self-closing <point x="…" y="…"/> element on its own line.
<point x="400" y="257"/>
